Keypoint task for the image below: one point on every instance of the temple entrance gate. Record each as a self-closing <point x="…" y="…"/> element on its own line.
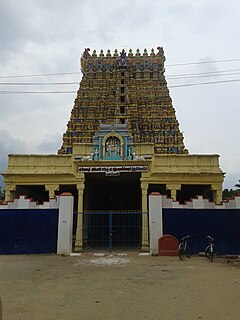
<point x="112" y="231"/>
<point x="112" y="217"/>
<point x="112" y="193"/>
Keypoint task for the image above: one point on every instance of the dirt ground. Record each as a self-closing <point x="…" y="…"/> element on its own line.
<point x="118" y="287"/>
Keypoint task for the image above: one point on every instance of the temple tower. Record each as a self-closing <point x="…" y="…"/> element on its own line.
<point x="122" y="143"/>
<point x="126" y="90"/>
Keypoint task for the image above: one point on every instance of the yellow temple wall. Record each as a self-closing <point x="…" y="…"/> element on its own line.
<point x="176" y="170"/>
<point x="172" y="170"/>
<point x="82" y="149"/>
<point x="186" y="163"/>
<point x="39" y="164"/>
<point x="144" y="148"/>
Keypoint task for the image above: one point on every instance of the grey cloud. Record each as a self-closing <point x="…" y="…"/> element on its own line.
<point x="50" y="144"/>
<point x="16" y="27"/>
<point x="29" y="22"/>
<point x="9" y="145"/>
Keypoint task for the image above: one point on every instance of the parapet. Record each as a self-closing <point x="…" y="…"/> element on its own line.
<point x="108" y="61"/>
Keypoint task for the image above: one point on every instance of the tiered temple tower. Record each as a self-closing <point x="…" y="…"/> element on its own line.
<point x="122" y="143"/>
<point x="124" y="89"/>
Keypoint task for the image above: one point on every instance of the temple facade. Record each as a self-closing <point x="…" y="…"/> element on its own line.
<point x="122" y="143"/>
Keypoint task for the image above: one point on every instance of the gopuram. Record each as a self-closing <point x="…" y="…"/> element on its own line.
<point x="122" y="143"/>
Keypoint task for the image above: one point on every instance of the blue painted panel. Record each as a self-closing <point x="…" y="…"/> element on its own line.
<point x="25" y="231"/>
<point x="222" y="225"/>
<point x="113" y="157"/>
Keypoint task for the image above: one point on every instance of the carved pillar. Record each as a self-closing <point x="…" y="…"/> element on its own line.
<point x="51" y="188"/>
<point x="173" y="188"/>
<point x="9" y="188"/>
<point x="100" y="149"/>
<point x="145" y="243"/>
<point x="217" y="193"/>
<point x="79" y="231"/>
<point x="7" y="195"/>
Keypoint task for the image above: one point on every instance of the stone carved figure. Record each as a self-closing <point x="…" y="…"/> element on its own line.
<point x="112" y="146"/>
<point x="86" y="53"/>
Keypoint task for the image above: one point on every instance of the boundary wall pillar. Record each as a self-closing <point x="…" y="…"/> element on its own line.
<point x="65" y="224"/>
<point x="155" y="220"/>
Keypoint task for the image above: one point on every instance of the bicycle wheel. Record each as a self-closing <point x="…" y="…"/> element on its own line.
<point x="208" y="252"/>
<point x="188" y="252"/>
<point x="181" y="252"/>
<point x="213" y="253"/>
<point x="211" y="256"/>
<point x="215" y="250"/>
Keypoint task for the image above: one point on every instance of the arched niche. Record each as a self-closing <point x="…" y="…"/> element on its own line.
<point x="112" y="145"/>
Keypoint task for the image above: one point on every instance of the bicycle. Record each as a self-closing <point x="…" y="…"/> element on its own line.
<point x="210" y="250"/>
<point x="183" y="248"/>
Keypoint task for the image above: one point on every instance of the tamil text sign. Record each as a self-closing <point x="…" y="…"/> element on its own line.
<point x="104" y="169"/>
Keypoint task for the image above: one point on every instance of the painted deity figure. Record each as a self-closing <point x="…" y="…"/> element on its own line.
<point x="112" y="146"/>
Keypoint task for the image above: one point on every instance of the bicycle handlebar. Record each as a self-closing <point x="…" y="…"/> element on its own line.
<point x="185" y="238"/>
<point x="210" y="238"/>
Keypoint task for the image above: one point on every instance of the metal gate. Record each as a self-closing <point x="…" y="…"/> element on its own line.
<point x="113" y="231"/>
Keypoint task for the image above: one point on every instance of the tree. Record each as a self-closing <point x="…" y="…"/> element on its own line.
<point x="228" y="193"/>
<point x="238" y="185"/>
<point x="2" y="194"/>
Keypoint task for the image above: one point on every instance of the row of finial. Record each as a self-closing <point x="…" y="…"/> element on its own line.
<point x="130" y="53"/>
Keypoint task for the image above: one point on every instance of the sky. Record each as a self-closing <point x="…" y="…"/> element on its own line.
<point x="200" y="39"/>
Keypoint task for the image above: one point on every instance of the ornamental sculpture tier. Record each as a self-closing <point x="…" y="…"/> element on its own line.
<point x="124" y="88"/>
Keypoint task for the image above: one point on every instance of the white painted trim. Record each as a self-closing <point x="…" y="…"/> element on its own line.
<point x="65" y="225"/>
<point x="155" y="221"/>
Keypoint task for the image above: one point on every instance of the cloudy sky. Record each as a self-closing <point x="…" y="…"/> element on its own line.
<point x="201" y="44"/>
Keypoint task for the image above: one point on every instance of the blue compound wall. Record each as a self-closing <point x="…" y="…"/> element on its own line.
<point x="25" y="231"/>
<point x="223" y="225"/>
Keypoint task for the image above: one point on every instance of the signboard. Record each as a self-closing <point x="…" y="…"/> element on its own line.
<point x="112" y="169"/>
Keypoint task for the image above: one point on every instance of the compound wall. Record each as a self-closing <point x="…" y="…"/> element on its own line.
<point x="28" y="231"/>
<point x="198" y="218"/>
<point x="222" y="225"/>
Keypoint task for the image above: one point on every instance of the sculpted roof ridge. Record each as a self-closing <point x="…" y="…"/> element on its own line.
<point x="87" y="55"/>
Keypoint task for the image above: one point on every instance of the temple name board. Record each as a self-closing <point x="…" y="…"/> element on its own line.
<point x="104" y="169"/>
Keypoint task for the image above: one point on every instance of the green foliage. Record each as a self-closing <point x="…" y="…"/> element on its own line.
<point x="228" y="193"/>
<point x="238" y="185"/>
<point x="2" y="194"/>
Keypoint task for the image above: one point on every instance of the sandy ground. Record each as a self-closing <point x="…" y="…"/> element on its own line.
<point x="118" y="287"/>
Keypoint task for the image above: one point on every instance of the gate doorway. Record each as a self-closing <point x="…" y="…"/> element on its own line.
<point x="112" y="193"/>
<point x="112" y="218"/>
<point x="113" y="231"/>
